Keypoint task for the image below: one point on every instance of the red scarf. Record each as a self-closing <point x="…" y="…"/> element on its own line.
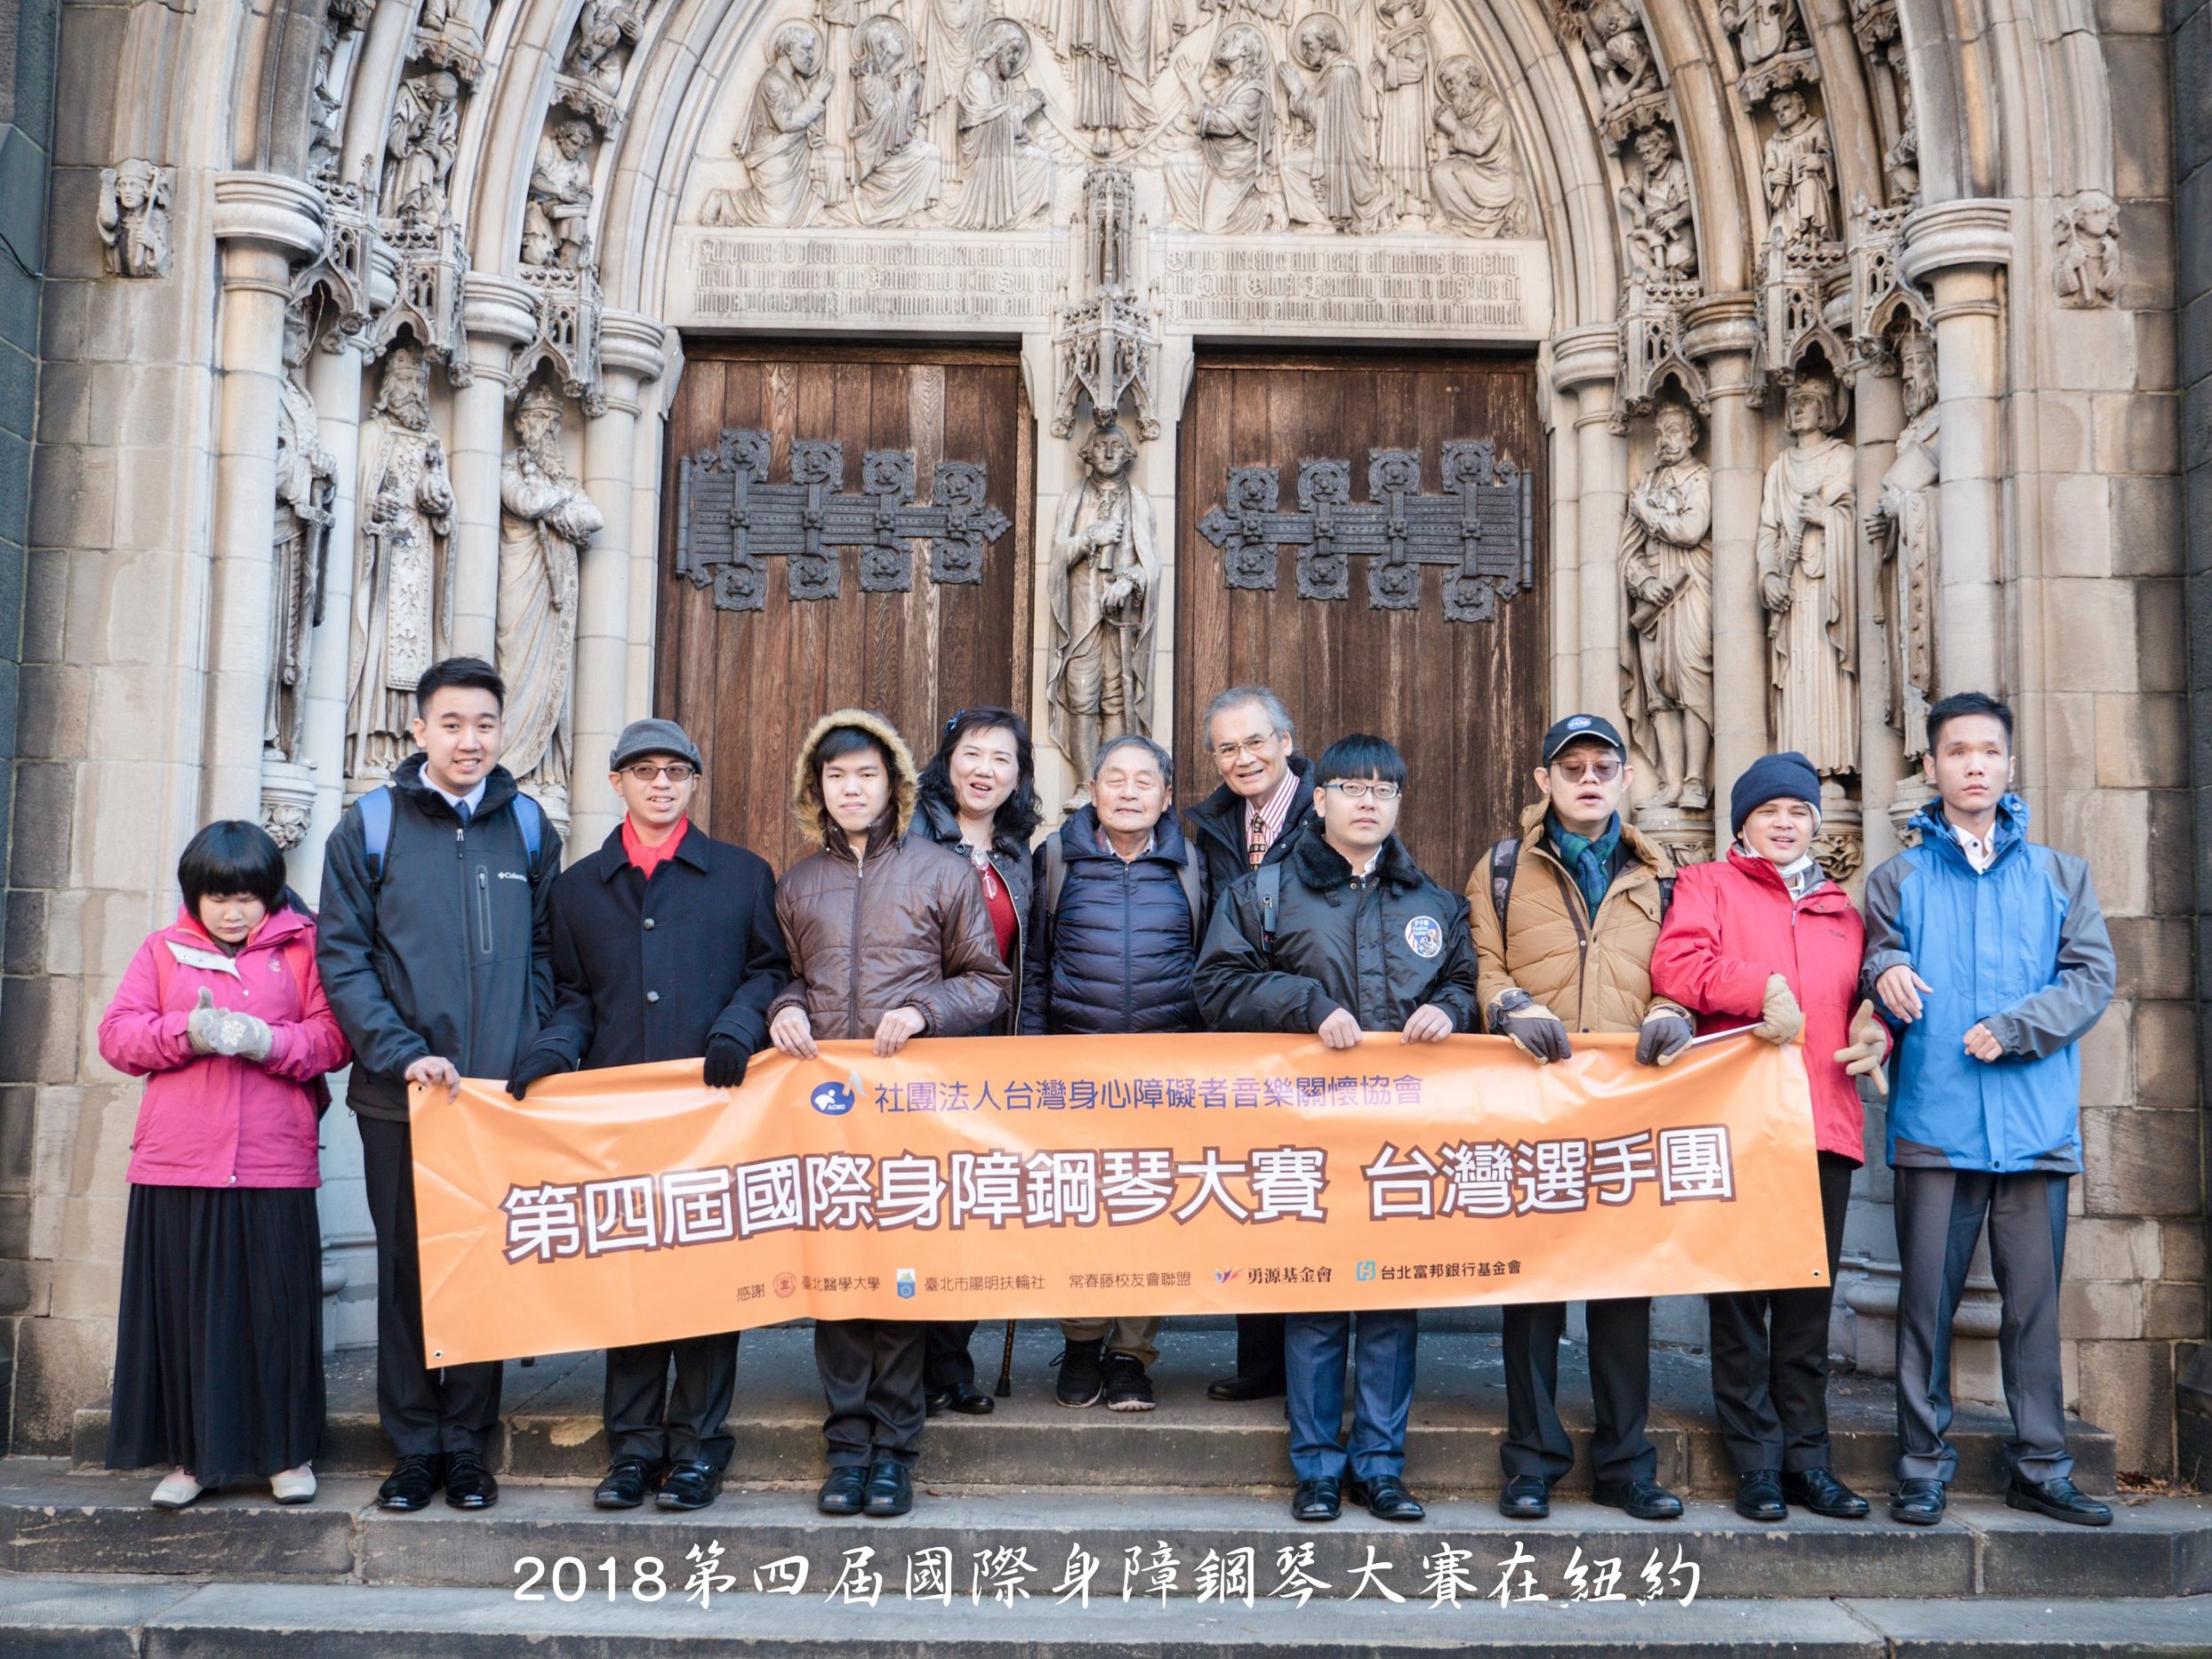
<point x="648" y="858"/>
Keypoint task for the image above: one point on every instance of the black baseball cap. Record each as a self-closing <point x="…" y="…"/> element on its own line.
<point x="1576" y="729"/>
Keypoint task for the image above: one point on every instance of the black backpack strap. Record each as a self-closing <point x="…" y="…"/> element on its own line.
<point x="1504" y="860"/>
<point x="1193" y="874"/>
<point x="1666" y="895"/>
<point x="1055" y="883"/>
<point x="1270" y="891"/>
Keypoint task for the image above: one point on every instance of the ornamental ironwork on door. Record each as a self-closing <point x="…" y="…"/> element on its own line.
<point x="1479" y="529"/>
<point x="731" y="521"/>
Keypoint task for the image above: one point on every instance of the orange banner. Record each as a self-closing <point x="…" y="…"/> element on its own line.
<point x="1073" y="1176"/>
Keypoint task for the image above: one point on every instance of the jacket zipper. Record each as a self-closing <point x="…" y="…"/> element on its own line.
<point x="853" y="995"/>
<point x="483" y="906"/>
<point x="468" y="1000"/>
<point x="1574" y="912"/>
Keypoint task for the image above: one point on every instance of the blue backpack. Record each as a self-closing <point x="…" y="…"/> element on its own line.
<point x="376" y="828"/>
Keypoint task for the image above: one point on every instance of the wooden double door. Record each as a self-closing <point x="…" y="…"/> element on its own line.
<point x="1465" y="700"/>
<point x="746" y="684"/>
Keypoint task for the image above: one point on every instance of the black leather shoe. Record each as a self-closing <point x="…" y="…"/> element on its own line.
<point x="412" y="1482"/>
<point x="891" y="1489"/>
<point x="965" y="1398"/>
<point x="1317" y="1500"/>
<point x="1759" y="1495"/>
<point x="469" y="1484"/>
<point x="844" y="1491"/>
<point x="626" y="1485"/>
<point x="2059" y="1499"/>
<point x="1525" y="1497"/>
<point x="689" y="1484"/>
<point x="1242" y="1386"/>
<point x="1918" y="1503"/>
<point x="1819" y="1491"/>
<point x="1385" y="1497"/>
<point x="1643" y="1500"/>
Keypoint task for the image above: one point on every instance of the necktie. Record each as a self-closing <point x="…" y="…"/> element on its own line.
<point x="462" y="808"/>
<point x="1256" y="850"/>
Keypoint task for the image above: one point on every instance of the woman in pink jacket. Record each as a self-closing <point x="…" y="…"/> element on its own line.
<point x="218" y="1339"/>
<point x="1764" y="941"/>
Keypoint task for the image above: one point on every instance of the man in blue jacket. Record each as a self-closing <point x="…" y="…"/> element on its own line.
<point x="1990" y="952"/>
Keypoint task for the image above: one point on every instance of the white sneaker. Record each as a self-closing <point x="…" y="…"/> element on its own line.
<point x="294" y="1486"/>
<point x="176" y="1490"/>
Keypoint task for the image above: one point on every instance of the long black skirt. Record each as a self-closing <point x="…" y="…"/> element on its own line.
<point x="219" y="1340"/>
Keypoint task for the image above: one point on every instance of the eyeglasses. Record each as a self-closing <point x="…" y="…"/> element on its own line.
<point x="1250" y="746"/>
<point x="674" y="771"/>
<point x="1361" y="792"/>
<point x="1603" y="771"/>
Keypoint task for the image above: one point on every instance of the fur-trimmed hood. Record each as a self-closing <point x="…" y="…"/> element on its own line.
<point x="806" y="775"/>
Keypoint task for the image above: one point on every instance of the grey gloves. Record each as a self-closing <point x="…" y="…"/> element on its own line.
<point x="1535" y="1030"/>
<point x="212" y="1030"/>
<point x="1664" y="1035"/>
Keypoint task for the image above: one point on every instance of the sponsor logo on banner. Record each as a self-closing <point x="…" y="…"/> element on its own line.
<point x="832" y="1100"/>
<point x="1425" y="935"/>
<point x="905" y="1282"/>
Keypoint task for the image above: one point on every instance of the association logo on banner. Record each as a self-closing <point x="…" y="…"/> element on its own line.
<point x="906" y="1283"/>
<point x="832" y="1100"/>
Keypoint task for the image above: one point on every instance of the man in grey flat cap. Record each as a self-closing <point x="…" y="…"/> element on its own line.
<point x="665" y="945"/>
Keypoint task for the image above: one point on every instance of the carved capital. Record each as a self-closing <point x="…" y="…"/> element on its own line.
<point x="498" y="309"/>
<point x="1971" y="232"/>
<point x="1586" y="356"/>
<point x="269" y="209"/>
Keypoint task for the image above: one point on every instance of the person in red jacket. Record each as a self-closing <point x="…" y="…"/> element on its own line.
<point x="1764" y="940"/>
<point x="218" y="1333"/>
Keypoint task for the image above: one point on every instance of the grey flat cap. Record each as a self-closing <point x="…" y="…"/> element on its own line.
<point x="641" y="738"/>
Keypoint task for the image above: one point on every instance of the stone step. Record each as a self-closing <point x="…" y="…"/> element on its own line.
<point x="78" y="1618"/>
<point x="52" y="1521"/>
<point x="551" y="1423"/>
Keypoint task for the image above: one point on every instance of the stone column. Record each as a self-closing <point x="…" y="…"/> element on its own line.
<point x="498" y="314"/>
<point x="334" y="381"/>
<point x="1878" y="412"/>
<point x="1722" y="331"/>
<point x="263" y="223"/>
<point x="629" y="356"/>
<point x="1585" y="362"/>
<point x="1960" y="250"/>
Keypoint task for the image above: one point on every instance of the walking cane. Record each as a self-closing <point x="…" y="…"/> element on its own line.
<point x="1006" y="1365"/>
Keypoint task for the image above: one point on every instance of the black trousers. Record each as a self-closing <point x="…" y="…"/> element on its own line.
<point x="1770" y="1355"/>
<point x="1259" y="1347"/>
<point x="425" y="1410"/>
<point x="1620" y="1391"/>
<point x="647" y="1420"/>
<point x="872" y="1377"/>
<point x="946" y="1361"/>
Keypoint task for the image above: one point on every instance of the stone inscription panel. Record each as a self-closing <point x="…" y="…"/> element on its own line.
<point x="1391" y="286"/>
<point x="773" y="279"/>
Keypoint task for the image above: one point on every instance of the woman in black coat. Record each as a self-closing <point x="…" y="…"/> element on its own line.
<point x="979" y="796"/>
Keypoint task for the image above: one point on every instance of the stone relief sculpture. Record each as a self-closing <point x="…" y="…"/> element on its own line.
<point x="307" y="480"/>
<point x="1807" y="571"/>
<point x="896" y="173"/>
<point x="790" y="171"/>
<point x="946" y="35"/>
<point x="1116" y="48"/>
<point x="1666" y="571"/>
<point x="2086" y="274"/>
<point x="1661" y="242"/>
<point x="133" y="218"/>
<point x="402" y="615"/>
<point x="1799" y="170"/>
<point x="1238" y="188"/>
<point x="1475" y="183"/>
<point x="595" y="54"/>
<point x="1902" y="533"/>
<point x="1401" y="71"/>
<point x="557" y="213"/>
<point x="326" y="104"/>
<point x="1614" y="41"/>
<point x="1007" y="175"/>
<point x="1764" y="29"/>
<point x="422" y="140"/>
<point x="1103" y="588"/>
<point x="544" y="520"/>
<point x="1329" y="179"/>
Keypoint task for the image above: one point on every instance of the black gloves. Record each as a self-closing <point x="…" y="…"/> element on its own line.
<point x="1535" y="1030"/>
<point x="1665" y="1033"/>
<point x="538" y="1063"/>
<point x="726" y="1058"/>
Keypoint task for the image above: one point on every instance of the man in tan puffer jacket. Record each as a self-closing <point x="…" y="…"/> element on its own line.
<point x="1564" y="921"/>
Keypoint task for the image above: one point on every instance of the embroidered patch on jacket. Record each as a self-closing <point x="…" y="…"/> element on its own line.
<point x="1425" y="935"/>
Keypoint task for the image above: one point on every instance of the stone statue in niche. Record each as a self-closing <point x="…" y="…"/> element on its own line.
<point x="326" y="106"/>
<point x="947" y="34"/>
<point x="1329" y="179"/>
<point x="1476" y="182"/>
<point x="1662" y="241"/>
<point x="896" y="173"/>
<point x="1407" y="110"/>
<point x="422" y="140"/>
<point x="1104" y="591"/>
<point x="1807" y="582"/>
<point x="402" y="612"/>
<point x="2087" y="272"/>
<point x="1799" y="169"/>
<point x="558" y="211"/>
<point x="1614" y="41"/>
<point x="1763" y="28"/>
<point x="544" y="520"/>
<point x="790" y="174"/>
<point x="1233" y="111"/>
<point x="1666" y="571"/>
<point x="133" y="218"/>
<point x="306" y="480"/>
<point x="1902" y="531"/>
<point x="595" y="53"/>
<point x="1008" y="174"/>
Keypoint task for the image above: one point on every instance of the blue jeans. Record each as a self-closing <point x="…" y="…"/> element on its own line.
<point x="1314" y="1349"/>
